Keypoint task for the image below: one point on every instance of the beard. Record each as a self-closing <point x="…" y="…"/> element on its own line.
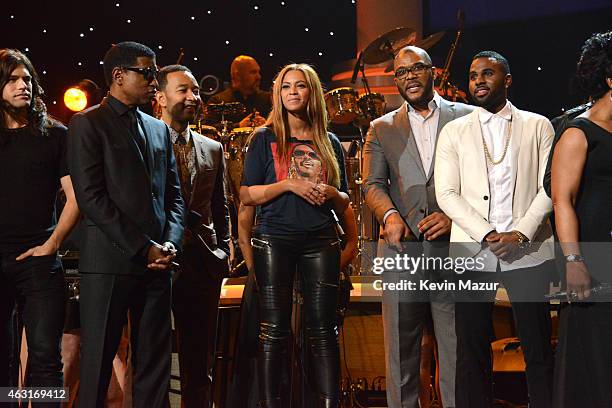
<point x="181" y="114"/>
<point x="489" y="101"/>
<point x="423" y="97"/>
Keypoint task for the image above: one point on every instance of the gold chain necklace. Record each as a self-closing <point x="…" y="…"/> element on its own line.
<point x="486" y="149"/>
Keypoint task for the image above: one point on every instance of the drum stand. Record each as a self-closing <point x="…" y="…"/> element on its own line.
<point x="232" y="201"/>
<point x="359" y="205"/>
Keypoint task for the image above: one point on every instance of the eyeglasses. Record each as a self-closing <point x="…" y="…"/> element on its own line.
<point x="417" y="69"/>
<point x="149" y="73"/>
<point x="302" y="153"/>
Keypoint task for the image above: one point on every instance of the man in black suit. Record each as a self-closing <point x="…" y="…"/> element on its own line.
<point x="197" y="284"/>
<point x="126" y="183"/>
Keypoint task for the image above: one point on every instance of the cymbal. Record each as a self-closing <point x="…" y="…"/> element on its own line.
<point x="382" y="48"/>
<point x="425" y="44"/>
<point x="430" y="41"/>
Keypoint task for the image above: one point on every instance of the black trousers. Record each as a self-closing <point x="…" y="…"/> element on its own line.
<point x="195" y="300"/>
<point x="105" y="302"/>
<point x="38" y="283"/>
<point x="474" y="327"/>
<point x="316" y="259"/>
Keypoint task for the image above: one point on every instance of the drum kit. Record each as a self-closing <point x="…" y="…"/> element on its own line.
<point x="345" y="107"/>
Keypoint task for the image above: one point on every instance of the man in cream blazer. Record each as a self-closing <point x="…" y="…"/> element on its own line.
<point x="488" y="173"/>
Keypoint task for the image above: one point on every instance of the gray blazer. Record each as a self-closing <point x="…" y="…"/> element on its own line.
<point x="208" y="200"/>
<point x="394" y="174"/>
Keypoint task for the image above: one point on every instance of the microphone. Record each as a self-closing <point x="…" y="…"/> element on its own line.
<point x="604" y="288"/>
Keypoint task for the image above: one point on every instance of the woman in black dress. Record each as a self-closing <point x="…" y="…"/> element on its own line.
<point x="582" y="197"/>
<point x="294" y="171"/>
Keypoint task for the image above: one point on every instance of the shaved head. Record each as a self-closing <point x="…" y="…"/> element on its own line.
<point x="414" y="76"/>
<point x="246" y="75"/>
<point x="415" y="50"/>
<point x="241" y="62"/>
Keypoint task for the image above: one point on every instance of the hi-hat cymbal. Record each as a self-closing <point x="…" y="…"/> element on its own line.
<point x="382" y="48"/>
<point x="425" y="43"/>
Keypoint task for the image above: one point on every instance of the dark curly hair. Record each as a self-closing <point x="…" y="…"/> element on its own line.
<point x="37" y="112"/>
<point x="595" y="65"/>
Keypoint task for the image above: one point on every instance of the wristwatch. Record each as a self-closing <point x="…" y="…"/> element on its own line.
<point x="574" y="258"/>
<point x="523" y="241"/>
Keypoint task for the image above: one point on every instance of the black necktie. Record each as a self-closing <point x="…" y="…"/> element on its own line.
<point x="139" y="137"/>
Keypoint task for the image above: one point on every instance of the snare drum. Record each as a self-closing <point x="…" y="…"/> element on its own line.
<point x="234" y="156"/>
<point x="342" y="105"/>
<point x="372" y="106"/>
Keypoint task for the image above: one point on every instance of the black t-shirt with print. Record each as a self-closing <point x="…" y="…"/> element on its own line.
<point x="31" y="166"/>
<point x="289" y="213"/>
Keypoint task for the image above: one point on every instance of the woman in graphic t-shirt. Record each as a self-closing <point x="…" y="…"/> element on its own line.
<point x="294" y="170"/>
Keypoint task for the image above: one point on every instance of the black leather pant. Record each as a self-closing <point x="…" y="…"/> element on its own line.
<point x="316" y="259"/>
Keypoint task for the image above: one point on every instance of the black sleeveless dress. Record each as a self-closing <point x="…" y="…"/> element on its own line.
<point x="583" y="368"/>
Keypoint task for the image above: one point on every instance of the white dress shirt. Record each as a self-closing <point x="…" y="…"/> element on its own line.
<point x="425" y="130"/>
<point x="495" y="128"/>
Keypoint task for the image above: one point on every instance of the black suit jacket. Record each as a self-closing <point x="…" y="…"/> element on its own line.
<point x="126" y="205"/>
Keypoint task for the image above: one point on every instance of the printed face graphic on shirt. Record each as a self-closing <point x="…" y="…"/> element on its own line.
<point x="305" y="164"/>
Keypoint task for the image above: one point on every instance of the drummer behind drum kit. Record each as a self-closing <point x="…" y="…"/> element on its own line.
<point x="344" y="107"/>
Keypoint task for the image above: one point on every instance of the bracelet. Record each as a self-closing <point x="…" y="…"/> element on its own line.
<point x="574" y="258"/>
<point x="522" y="239"/>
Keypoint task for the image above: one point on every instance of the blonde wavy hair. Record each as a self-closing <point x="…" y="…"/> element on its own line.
<point x="316" y="116"/>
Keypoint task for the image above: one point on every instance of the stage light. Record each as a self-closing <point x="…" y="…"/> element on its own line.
<point x="82" y="95"/>
<point x="75" y="99"/>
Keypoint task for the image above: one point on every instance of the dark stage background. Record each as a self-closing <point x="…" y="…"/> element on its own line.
<point x="67" y="39"/>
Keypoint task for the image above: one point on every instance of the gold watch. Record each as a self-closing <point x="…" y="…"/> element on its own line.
<point x="523" y="241"/>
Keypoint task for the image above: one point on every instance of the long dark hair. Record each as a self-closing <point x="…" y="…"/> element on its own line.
<point x="37" y="112"/>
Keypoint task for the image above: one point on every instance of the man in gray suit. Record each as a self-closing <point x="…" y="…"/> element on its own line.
<point x="399" y="189"/>
<point x="197" y="284"/>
